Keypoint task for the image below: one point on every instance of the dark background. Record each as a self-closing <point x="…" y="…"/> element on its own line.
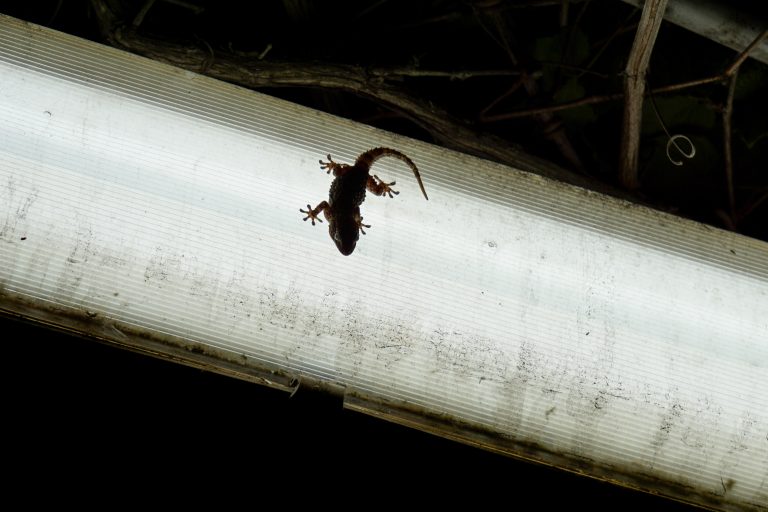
<point x="400" y="45"/>
<point x="116" y="421"/>
<point x="84" y="420"/>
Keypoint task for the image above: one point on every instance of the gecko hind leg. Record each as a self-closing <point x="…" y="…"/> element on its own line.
<point x="360" y="224"/>
<point x="377" y="186"/>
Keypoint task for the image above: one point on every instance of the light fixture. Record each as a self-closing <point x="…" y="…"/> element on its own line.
<point x="159" y="210"/>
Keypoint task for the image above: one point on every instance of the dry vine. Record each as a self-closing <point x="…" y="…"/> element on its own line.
<point x="254" y="73"/>
<point x="382" y="85"/>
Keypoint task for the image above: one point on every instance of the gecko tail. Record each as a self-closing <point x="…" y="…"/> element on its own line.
<point x="368" y="158"/>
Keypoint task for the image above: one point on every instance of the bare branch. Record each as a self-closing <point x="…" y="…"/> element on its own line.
<point x="727" y="151"/>
<point x="552" y="128"/>
<point x="603" y="98"/>
<point x="747" y="210"/>
<point x="258" y="74"/>
<point x="514" y="88"/>
<point x="590" y="100"/>
<point x="563" y="13"/>
<point x="687" y="85"/>
<point x="743" y="55"/>
<point x="634" y="90"/>
<point x="732" y="73"/>
<point x="453" y="75"/>
<point x="143" y="12"/>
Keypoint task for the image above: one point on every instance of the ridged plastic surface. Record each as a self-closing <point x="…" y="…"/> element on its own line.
<point x="552" y="316"/>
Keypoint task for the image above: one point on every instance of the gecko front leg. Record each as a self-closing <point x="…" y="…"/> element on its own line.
<point x="344" y="229"/>
<point x="337" y="168"/>
<point x="313" y="214"/>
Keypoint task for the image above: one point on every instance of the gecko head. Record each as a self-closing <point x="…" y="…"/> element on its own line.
<point x="345" y="233"/>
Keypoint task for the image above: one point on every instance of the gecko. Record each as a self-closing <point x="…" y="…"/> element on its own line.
<point x="347" y="193"/>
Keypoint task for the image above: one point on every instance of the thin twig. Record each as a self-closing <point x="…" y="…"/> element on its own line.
<point x="604" y="45"/>
<point x="747" y="210"/>
<point x="570" y="67"/>
<point x="209" y="59"/>
<point x="369" y="9"/>
<point x="549" y="126"/>
<point x="453" y="75"/>
<point x="55" y="12"/>
<point x="521" y="4"/>
<point x="143" y="12"/>
<point x="634" y="90"/>
<point x="604" y="98"/>
<point x="516" y="114"/>
<point x="259" y="54"/>
<point x="727" y="151"/>
<point x="196" y="9"/>
<point x="514" y="88"/>
<point x="255" y="74"/>
<point x="563" y="13"/>
<point x="733" y="68"/>
<point x="688" y="84"/>
<point x="732" y="73"/>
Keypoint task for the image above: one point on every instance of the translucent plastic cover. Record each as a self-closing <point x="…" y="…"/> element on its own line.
<point x="564" y="326"/>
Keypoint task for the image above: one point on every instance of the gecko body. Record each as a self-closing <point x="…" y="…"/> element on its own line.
<point x="347" y="193"/>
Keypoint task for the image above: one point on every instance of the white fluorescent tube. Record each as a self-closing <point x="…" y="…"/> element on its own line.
<point x="727" y="23"/>
<point x="159" y="210"/>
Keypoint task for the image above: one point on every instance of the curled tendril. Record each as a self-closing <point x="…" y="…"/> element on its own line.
<point x="685" y="154"/>
<point x="672" y="139"/>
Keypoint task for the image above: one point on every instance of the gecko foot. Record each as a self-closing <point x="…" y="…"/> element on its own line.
<point x="382" y="188"/>
<point x="311" y="214"/>
<point x="360" y="225"/>
<point x="330" y="165"/>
